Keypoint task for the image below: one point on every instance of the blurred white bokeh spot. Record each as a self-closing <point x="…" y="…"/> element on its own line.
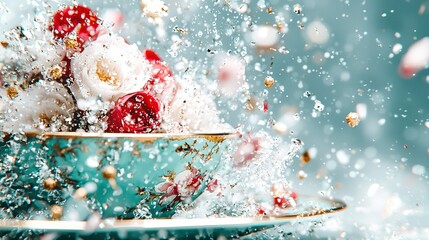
<point x="316" y="32"/>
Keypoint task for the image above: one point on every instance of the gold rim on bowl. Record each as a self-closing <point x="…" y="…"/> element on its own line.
<point x="146" y="137"/>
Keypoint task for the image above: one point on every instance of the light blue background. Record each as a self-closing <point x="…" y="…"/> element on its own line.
<point x="389" y="151"/>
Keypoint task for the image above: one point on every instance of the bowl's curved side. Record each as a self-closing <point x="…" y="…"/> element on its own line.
<point x="115" y="175"/>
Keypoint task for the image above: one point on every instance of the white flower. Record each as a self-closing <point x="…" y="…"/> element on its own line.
<point x="192" y="111"/>
<point x="179" y="187"/>
<point x="45" y="106"/>
<point x="108" y="68"/>
<point x="36" y="51"/>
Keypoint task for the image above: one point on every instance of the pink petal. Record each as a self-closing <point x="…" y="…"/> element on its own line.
<point x="115" y="17"/>
<point x="162" y="187"/>
<point x="415" y="59"/>
<point x="183" y="177"/>
<point x="172" y="190"/>
<point x="230" y="74"/>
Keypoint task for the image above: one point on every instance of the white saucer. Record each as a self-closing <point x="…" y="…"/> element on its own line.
<point x="309" y="209"/>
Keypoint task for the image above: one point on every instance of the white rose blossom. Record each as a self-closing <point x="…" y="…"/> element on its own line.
<point x="194" y="111"/>
<point x="37" y="51"/>
<point x="108" y="68"/>
<point x="44" y="106"/>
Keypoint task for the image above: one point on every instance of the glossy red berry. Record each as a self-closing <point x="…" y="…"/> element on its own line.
<point x="134" y="113"/>
<point x="79" y="19"/>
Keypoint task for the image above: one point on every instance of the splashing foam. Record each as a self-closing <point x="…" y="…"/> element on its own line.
<point x="245" y="191"/>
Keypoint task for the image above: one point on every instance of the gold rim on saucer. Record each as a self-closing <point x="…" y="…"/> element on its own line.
<point x="109" y="225"/>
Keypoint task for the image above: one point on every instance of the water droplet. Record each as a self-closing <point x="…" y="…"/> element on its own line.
<point x="307" y="94"/>
<point x="318" y="106"/>
<point x="297" y="8"/>
<point x="397" y="48"/>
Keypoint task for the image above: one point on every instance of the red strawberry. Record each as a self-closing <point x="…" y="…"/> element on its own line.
<point x="77" y="18"/>
<point x="134" y="113"/>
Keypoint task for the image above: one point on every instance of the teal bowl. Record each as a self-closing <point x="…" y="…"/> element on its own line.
<point x="72" y="175"/>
